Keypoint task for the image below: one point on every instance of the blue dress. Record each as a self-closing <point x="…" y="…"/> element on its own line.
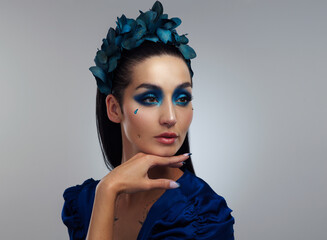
<point x="191" y="211"/>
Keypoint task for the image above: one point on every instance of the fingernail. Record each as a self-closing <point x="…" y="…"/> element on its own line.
<point x="187" y="154"/>
<point x="174" y="184"/>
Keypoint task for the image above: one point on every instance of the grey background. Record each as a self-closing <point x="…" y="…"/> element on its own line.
<point x="259" y="131"/>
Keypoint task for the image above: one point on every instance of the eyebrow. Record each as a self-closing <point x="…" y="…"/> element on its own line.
<point x="156" y="87"/>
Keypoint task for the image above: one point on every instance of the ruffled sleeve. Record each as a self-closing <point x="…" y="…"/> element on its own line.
<point x="77" y="208"/>
<point x="192" y="211"/>
<point x="213" y="220"/>
<point x="202" y="218"/>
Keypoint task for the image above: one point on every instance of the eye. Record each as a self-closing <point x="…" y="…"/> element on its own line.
<point x="184" y="99"/>
<point x="150" y="99"/>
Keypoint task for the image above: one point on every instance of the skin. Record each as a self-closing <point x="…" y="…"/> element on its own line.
<point x="147" y="166"/>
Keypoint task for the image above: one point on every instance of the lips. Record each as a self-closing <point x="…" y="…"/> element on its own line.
<point x="167" y="138"/>
<point x="168" y="135"/>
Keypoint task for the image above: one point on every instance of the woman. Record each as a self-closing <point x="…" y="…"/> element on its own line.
<point x="144" y="111"/>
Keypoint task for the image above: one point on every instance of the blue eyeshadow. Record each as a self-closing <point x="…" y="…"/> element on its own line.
<point x="155" y="97"/>
<point x="180" y="93"/>
<point x="155" y="94"/>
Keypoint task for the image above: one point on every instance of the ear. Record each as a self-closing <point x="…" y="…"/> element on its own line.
<point x="113" y="109"/>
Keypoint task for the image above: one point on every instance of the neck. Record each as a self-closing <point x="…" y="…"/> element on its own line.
<point x="156" y="172"/>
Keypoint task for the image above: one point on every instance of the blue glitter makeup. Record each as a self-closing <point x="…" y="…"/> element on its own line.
<point x="181" y="97"/>
<point x="136" y="111"/>
<point x="149" y="98"/>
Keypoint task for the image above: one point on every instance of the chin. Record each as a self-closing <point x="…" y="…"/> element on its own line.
<point x="163" y="151"/>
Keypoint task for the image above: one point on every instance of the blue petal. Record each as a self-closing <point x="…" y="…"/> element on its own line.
<point x="164" y="35"/>
<point x="140" y="29"/>
<point x="104" y="88"/>
<point x="117" y="30"/>
<point x="177" y="21"/>
<point x="141" y="17"/>
<point x="129" y="43"/>
<point x="103" y="66"/>
<point x="176" y="37"/>
<point x="140" y="22"/>
<point x="112" y="49"/>
<point x="123" y="19"/>
<point x="104" y="45"/>
<point x="118" y="40"/>
<point x="149" y="17"/>
<point x="183" y="39"/>
<point x="168" y="25"/>
<point x="130" y="21"/>
<point x="126" y="28"/>
<point x="134" y="26"/>
<point x="172" y="23"/>
<point x="112" y="64"/>
<point x="187" y="51"/>
<point x="152" y="38"/>
<point x="157" y="7"/>
<point x="164" y="16"/>
<point x="139" y="33"/>
<point x="118" y="27"/>
<point x="111" y="35"/>
<point x="120" y="23"/>
<point x="139" y="42"/>
<point x="102" y="57"/>
<point x="98" y="73"/>
<point x="115" y="57"/>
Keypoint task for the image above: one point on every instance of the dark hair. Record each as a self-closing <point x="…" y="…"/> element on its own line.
<point x="109" y="133"/>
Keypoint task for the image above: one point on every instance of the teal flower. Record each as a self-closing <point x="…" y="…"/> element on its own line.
<point x="151" y="25"/>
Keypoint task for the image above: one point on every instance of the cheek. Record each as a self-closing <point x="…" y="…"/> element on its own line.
<point x="138" y="119"/>
<point x="186" y="119"/>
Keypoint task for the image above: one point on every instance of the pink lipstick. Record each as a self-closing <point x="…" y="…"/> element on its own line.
<point x="167" y="138"/>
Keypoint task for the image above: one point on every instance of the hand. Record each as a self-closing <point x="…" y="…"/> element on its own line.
<point x="132" y="175"/>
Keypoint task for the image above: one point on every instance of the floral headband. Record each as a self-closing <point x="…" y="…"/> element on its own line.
<point x="153" y="26"/>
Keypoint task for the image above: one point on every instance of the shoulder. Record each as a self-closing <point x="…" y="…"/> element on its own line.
<point x="194" y="210"/>
<point x="77" y="208"/>
<point x="203" y="198"/>
<point x="198" y="191"/>
<point x="211" y="214"/>
<point x="87" y="186"/>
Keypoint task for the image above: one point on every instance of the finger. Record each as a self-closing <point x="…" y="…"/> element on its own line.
<point x="163" y="183"/>
<point x="164" y="161"/>
<point x="177" y="165"/>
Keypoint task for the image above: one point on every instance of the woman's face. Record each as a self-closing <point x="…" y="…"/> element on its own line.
<point x="157" y="101"/>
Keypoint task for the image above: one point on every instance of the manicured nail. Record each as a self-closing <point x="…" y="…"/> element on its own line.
<point x="174" y="184"/>
<point x="187" y="154"/>
<point x="184" y="163"/>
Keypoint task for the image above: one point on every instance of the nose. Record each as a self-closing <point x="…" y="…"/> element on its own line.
<point x="168" y="115"/>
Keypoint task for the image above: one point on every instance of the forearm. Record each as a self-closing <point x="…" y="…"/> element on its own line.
<point x="102" y="218"/>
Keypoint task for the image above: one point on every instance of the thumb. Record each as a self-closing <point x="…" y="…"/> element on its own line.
<point x="164" y="183"/>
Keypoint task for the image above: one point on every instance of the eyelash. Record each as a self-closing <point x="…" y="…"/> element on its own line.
<point x="187" y="99"/>
<point x="149" y="96"/>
